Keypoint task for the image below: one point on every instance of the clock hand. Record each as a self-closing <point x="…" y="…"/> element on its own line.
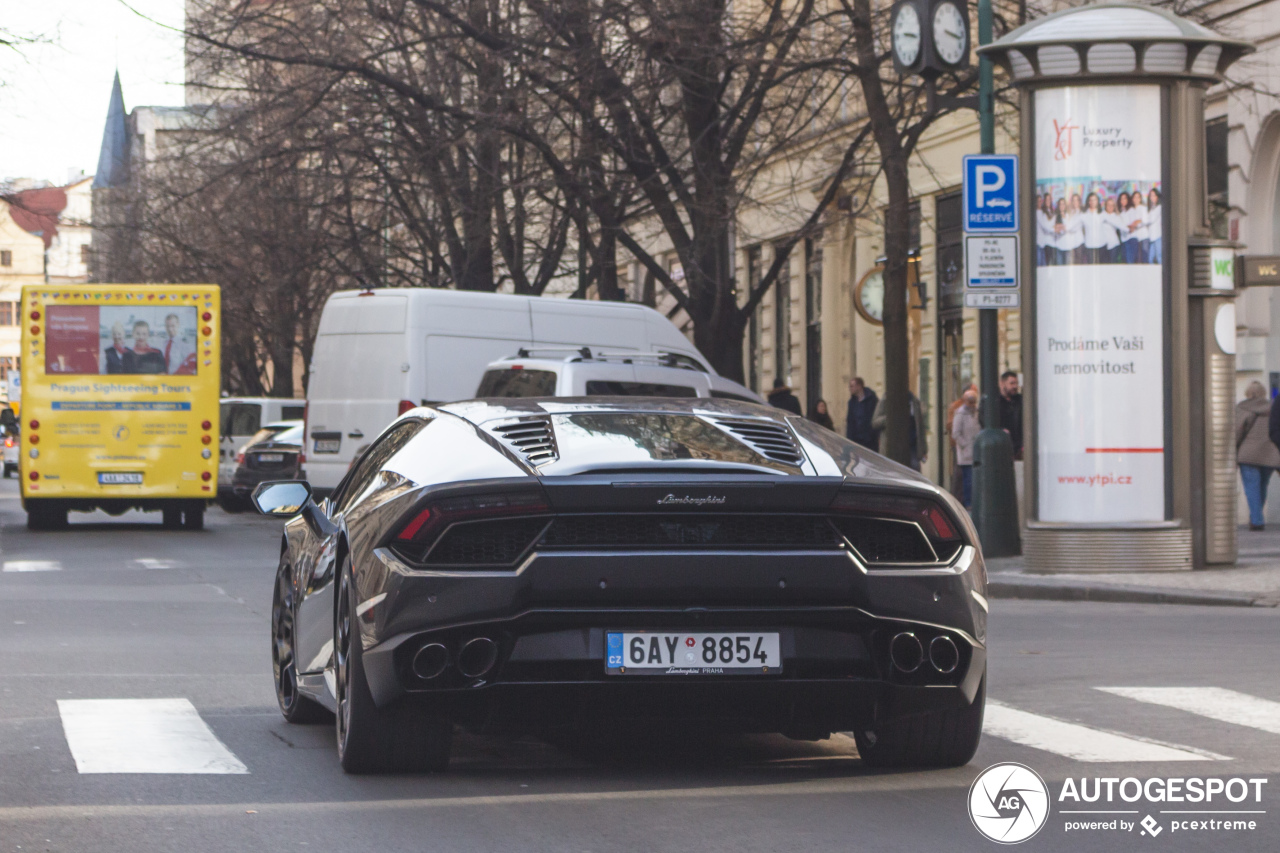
<point x="953" y="35"/>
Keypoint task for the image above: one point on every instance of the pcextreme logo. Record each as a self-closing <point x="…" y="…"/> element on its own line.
<point x="1008" y="803"/>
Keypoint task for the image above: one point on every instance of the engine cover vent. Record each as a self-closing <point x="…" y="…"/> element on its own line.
<point x="768" y="438"/>
<point x="531" y="437"/>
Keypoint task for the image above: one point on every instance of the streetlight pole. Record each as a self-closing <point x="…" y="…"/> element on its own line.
<point x="995" y="494"/>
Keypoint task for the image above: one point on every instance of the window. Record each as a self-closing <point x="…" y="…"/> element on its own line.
<point x="782" y="325"/>
<point x="813" y="320"/>
<point x="7" y="314"/>
<point x="8" y="365"/>
<point x="753" y="324"/>
<point x="1217" y="168"/>
<point x="517" y="383"/>
<point x="243" y="419"/>
<point x="6" y="258"/>
<point x="368" y="466"/>
<point x="293" y="413"/>
<point x="610" y="388"/>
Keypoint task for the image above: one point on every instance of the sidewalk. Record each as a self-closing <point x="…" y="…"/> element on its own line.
<point x="1253" y="582"/>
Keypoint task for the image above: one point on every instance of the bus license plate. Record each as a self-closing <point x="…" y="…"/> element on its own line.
<point x="327" y="445"/>
<point x="708" y="653"/>
<point x="119" y="478"/>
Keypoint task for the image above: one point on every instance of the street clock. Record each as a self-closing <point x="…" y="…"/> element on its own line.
<point x="868" y="296"/>
<point x="929" y="37"/>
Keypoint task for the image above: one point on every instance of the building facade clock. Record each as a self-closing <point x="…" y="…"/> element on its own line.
<point x="868" y="296"/>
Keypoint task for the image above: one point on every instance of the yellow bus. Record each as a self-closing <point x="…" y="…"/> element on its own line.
<point x="120" y="387"/>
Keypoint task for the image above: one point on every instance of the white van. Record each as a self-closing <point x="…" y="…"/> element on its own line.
<point x="240" y="419"/>
<point x="536" y="372"/>
<point x="380" y="353"/>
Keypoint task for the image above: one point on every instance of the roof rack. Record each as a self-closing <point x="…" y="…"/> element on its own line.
<point x="665" y="359"/>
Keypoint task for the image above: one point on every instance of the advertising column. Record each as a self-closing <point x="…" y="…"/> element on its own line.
<point x="1099" y="304"/>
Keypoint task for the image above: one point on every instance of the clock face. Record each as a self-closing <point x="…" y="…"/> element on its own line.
<point x="869" y="298"/>
<point x="950" y="34"/>
<point x="906" y="34"/>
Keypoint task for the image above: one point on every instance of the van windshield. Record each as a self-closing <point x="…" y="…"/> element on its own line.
<point x="508" y="382"/>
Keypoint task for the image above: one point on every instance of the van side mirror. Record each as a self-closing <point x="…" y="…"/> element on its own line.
<point x="282" y="498"/>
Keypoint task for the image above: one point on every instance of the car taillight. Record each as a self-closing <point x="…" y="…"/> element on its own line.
<point x="424" y="525"/>
<point x="880" y="527"/>
<point x="240" y="458"/>
<point x="406" y="405"/>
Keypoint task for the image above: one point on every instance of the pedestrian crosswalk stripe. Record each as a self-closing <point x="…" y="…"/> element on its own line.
<point x="142" y="736"/>
<point x="151" y="563"/>
<point x="32" y="566"/>
<point x="1083" y="743"/>
<point x="1216" y="703"/>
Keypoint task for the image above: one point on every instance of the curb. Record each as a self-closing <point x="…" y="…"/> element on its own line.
<point x="998" y="587"/>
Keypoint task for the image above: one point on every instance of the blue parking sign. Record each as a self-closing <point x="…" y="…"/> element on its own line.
<point x="991" y="193"/>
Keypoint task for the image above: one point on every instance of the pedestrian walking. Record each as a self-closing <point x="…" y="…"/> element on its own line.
<point x="1256" y="451"/>
<point x="782" y="398"/>
<point x="964" y="432"/>
<point x="916" y="440"/>
<point x="862" y="408"/>
<point x="1011" y="410"/>
<point x="820" y="416"/>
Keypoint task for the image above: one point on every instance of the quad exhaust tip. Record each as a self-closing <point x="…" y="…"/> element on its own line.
<point x="477" y="657"/>
<point x="430" y="661"/>
<point x="906" y="652"/>
<point x="944" y="655"/>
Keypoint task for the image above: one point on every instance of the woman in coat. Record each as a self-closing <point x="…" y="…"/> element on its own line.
<point x="1255" y="454"/>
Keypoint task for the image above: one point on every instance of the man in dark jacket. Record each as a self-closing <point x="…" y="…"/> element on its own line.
<point x="782" y="398"/>
<point x="1011" y="410"/>
<point x="862" y="407"/>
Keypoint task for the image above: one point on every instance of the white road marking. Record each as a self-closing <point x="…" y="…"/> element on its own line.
<point x="32" y="566"/>
<point x="1083" y="743"/>
<point x="150" y="563"/>
<point x="143" y="736"/>
<point x="1216" y="703"/>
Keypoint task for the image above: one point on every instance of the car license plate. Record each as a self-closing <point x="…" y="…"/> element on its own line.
<point x="327" y="445"/>
<point x="706" y="653"/>
<point x="270" y="457"/>
<point x="119" y="478"/>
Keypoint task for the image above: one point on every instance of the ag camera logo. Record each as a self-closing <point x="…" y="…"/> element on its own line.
<point x="1008" y="803"/>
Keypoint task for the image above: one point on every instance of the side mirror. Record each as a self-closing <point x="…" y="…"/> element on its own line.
<point x="282" y="498"/>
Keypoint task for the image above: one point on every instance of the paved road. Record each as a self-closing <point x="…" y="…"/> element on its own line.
<point x="120" y="609"/>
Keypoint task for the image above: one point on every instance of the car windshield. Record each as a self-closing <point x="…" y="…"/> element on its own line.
<point x="610" y="438"/>
<point x="516" y="382"/>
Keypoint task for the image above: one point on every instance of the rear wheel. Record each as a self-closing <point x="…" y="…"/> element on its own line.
<point x="193" y="518"/>
<point x="396" y="739"/>
<point x="936" y="739"/>
<point x="172" y="518"/>
<point x="295" y="707"/>
<point x="40" y="516"/>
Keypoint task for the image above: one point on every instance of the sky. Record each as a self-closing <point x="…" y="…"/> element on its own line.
<point x="53" y="95"/>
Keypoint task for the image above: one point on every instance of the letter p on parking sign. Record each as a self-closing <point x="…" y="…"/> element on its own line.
<point x="991" y="193"/>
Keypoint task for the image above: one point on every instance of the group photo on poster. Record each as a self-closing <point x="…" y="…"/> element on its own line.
<point x="1092" y="221"/>
<point x="121" y="340"/>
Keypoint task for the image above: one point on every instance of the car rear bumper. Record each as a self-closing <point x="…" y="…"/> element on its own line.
<point x="549" y="670"/>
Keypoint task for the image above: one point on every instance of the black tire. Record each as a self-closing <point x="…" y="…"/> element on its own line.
<point x="171" y="518"/>
<point x="40" y="517"/>
<point x="295" y="707"/>
<point x="193" y="518"/>
<point x="8" y="471"/>
<point x="935" y="739"/>
<point x="397" y="739"/>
